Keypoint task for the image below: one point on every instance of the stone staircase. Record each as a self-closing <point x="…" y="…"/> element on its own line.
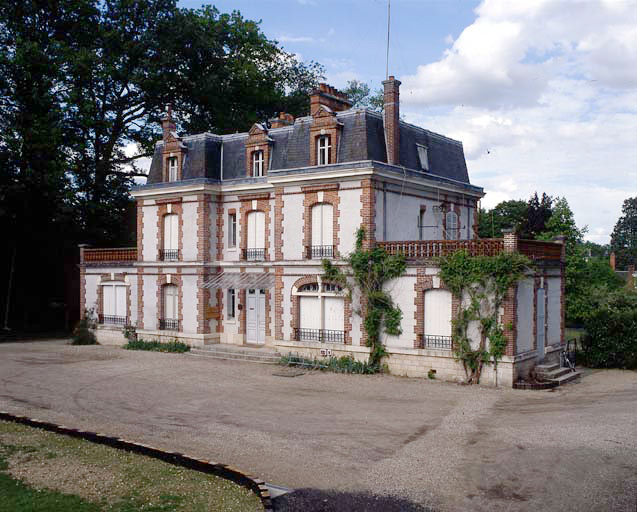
<point x="238" y="353"/>
<point x="555" y="374"/>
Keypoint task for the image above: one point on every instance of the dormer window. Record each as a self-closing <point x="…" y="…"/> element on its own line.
<point x="323" y="150"/>
<point x="172" y="168"/>
<point x="257" y="163"/>
<point x="423" y="156"/>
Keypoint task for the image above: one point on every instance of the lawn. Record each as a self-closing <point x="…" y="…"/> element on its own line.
<point x="43" y="471"/>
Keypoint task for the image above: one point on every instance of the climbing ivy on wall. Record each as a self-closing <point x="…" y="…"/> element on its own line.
<point x="370" y="270"/>
<point x="481" y="283"/>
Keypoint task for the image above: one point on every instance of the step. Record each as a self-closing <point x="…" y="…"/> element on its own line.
<point x="236" y="349"/>
<point x="567" y="377"/>
<point x="546" y="367"/>
<point x="267" y="358"/>
<point x="553" y="374"/>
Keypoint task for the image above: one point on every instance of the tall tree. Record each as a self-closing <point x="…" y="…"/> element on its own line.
<point x="538" y="214"/>
<point x="360" y="94"/>
<point x="505" y="215"/>
<point x="623" y="240"/>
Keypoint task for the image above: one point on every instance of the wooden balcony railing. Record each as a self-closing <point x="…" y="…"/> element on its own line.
<point x="429" y="249"/>
<point x="426" y="249"/>
<point x="109" y="255"/>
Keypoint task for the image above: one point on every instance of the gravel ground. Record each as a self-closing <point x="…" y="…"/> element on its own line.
<point x="417" y="443"/>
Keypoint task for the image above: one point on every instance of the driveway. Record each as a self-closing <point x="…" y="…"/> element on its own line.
<point x="447" y="446"/>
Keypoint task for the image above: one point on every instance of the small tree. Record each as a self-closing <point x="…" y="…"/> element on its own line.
<point x="370" y="270"/>
<point x="623" y="240"/>
<point x="484" y="282"/>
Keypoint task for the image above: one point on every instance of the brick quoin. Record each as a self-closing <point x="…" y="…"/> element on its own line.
<point x="82" y="290"/>
<point x="219" y="327"/>
<point x="203" y="301"/>
<point x="220" y="233"/>
<point x="140" y="229"/>
<point x="368" y="212"/>
<point x="278" y="224"/>
<point x="278" y="303"/>
<point x="140" y="297"/>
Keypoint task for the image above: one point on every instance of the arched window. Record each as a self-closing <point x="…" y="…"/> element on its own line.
<point x="114" y="304"/>
<point x="171" y="238"/>
<point x="452" y="229"/>
<point x="170" y="297"/>
<point x="255" y="250"/>
<point x="323" y="147"/>
<point x="322" y="231"/>
<point x="321" y="313"/>
<point x="437" y="319"/>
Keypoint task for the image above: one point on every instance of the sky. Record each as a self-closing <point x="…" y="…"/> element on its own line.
<point x="543" y="94"/>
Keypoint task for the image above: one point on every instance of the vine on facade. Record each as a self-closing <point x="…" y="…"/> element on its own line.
<point x="369" y="270"/>
<point x="481" y="284"/>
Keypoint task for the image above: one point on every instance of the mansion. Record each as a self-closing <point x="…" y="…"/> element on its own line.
<point x="231" y="231"/>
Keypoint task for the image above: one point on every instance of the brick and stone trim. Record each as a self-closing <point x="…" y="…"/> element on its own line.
<point x="204" y="253"/>
<point x="140" y="229"/>
<point x="140" y="297"/>
<point x="509" y="320"/>
<point x="220" y="224"/>
<point x="172" y="147"/>
<point x="220" y="303"/>
<point x="295" y="318"/>
<point x="278" y="303"/>
<point x="368" y="212"/>
<point x="278" y="224"/>
<point x="82" y="290"/>
<point x="203" y="301"/>
<point x="172" y="206"/>
<point x="324" y="194"/>
<point x="249" y="204"/>
<point x="258" y="140"/>
<point x="324" y="123"/>
<point x="162" y="280"/>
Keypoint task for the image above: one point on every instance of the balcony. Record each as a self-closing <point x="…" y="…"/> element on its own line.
<point x="101" y="256"/>
<point x="319" y="335"/>
<point x="168" y="324"/>
<point x="169" y="255"/>
<point x="435" y="342"/>
<point x="120" y="321"/>
<point x="319" y="252"/>
<point x="254" y="254"/>
<point x="535" y="250"/>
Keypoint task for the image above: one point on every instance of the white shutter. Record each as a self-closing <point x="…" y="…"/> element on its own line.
<point x="120" y="301"/>
<point x="317" y="230"/>
<point x="437" y="313"/>
<point x="259" y="236"/>
<point x="252" y="230"/>
<point x="334" y="313"/>
<point x="171" y="227"/>
<point x="109" y="300"/>
<point x="170" y="302"/>
<point x="309" y="313"/>
<point x="327" y="224"/>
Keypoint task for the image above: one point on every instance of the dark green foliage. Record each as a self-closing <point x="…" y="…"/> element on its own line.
<point x="611" y="340"/>
<point x="344" y="364"/>
<point x="505" y="215"/>
<point x="537" y="216"/>
<point x="370" y="270"/>
<point x="484" y="281"/>
<point x="83" y="332"/>
<point x="158" y="346"/>
<point x="361" y="96"/>
<point x="624" y="237"/>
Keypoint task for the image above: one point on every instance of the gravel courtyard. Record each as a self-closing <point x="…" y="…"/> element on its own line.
<point x="447" y="446"/>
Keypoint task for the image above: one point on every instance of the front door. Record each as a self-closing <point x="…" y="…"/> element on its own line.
<point x="255" y="316"/>
<point x="539" y="328"/>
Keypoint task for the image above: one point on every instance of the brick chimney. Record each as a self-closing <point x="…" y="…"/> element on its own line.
<point x="330" y="97"/>
<point x="283" y="119"/>
<point x="167" y="123"/>
<point x="392" y="119"/>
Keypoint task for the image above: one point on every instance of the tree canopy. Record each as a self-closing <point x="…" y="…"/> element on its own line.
<point x="82" y="86"/>
<point x="623" y="240"/>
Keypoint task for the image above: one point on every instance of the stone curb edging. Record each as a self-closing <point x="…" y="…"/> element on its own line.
<point x="256" y="485"/>
<point x="535" y="385"/>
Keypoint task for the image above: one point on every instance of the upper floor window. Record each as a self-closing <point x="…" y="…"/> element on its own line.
<point x="451" y="227"/>
<point x="323" y="148"/>
<point x="171" y="238"/>
<point x="172" y="168"/>
<point x="322" y="231"/>
<point x="232" y="230"/>
<point x="423" y="156"/>
<point x="257" y="163"/>
<point x="255" y="250"/>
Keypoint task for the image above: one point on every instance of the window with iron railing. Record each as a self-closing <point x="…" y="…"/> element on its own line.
<point x="320" y="251"/>
<point x="114" y="304"/>
<point x="168" y="324"/>
<point x="170" y="320"/>
<point x="170" y="251"/>
<point x="254" y="254"/>
<point x="113" y="320"/>
<point x="319" y="335"/>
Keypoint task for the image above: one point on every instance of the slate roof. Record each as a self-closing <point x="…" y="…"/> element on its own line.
<point x="362" y="138"/>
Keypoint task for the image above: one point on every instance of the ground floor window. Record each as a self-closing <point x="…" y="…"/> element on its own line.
<point x="437" y="333"/>
<point x="321" y="313"/>
<point x="230" y="304"/>
<point x="114" y="305"/>
<point x="170" y="317"/>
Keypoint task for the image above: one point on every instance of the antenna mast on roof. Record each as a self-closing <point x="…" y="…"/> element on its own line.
<point x="388" y="20"/>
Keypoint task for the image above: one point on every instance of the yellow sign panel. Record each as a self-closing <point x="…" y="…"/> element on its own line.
<point x="212" y="312"/>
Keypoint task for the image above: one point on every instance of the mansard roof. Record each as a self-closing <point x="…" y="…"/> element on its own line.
<point x="362" y="138"/>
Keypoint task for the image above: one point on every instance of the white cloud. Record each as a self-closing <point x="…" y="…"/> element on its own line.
<point x="282" y="38"/>
<point x="543" y="96"/>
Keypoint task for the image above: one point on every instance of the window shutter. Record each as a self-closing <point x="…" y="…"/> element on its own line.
<point x="120" y="301"/>
<point x="334" y="313"/>
<point x="170" y="302"/>
<point x="317" y="229"/>
<point x="327" y="224"/>
<point x="259" y="236"/>
<point x="109" y="300"/>
<point x="252" y="230"/>
<point x="171" y="231"/>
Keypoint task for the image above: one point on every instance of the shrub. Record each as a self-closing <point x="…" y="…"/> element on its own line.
<point x="83" y="334"/>
<point x="344" y="364"/>
<point x="157" y="346"/>
<point x="611" y="340"/>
